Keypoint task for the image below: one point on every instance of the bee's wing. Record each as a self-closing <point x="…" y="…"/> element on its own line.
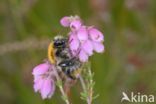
<point x="51" y="54"/>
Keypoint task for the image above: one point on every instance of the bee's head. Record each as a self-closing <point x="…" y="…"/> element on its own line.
<point x="60" y="42"/>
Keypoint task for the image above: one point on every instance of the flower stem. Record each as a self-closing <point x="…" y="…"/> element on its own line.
<point x="59" y="84"/>
<point x="82" y="83"/>
<point x="90" y="87"/>
<point x="87" y="88"/>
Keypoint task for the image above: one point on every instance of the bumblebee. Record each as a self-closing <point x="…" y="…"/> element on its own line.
<point x="59" y="54"/>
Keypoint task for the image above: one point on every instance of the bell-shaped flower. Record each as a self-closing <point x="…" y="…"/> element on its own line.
<point x="43" y="80"/>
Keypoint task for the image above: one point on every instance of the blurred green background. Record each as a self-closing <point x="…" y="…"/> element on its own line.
<point x="128" y="64"/>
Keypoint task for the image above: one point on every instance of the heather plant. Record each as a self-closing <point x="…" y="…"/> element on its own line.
<point x="83" y="41"/>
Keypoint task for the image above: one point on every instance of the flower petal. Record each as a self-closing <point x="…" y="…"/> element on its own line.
<point x="38" y="84"/>
<point x="75" y="25"/>
<point x="88" y="47"/>
<point x="65" y="21"/>
<point x="82" y="34"/>
<point x="98" y="47"/>
<point x="46" y="88"/>
<point x="96" y="35"/>
<point x="83" y="56"/>
<point x="40" y="69"/>
<point x="36" y="78"/>
<point x="73" y="42"/>
<point x="52" y="89"/>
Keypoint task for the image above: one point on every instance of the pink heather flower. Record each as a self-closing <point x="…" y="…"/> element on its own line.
<point x="82" y="33"/>
<point x="65" y="21"/>
<point x="95" y="34"/>
<point x="83" y="43"/>
<point x="97" y="38"/>
<point x="83" y="40"/>
<point x="87" y="46"/>
<point x="43" y="80"/>
<point x="74" y="40"/>
<point x="73" y="22"/>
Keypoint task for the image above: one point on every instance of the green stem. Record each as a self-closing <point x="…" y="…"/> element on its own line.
<point x="87" y="90"/>
<point x="59" y="83"/>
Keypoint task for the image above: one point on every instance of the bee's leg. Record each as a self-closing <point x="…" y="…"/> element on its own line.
<point x="60" y="73"/>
